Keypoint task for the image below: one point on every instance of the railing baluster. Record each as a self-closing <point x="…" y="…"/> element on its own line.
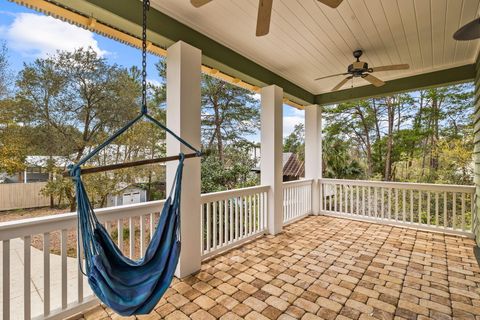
<point x="64" y="267"/>
<point x="428" y="207"/>
<point x="383" y="203"/>
<point x="255" y="211"/>
<point x="215" y="224"/>
<point x="437" y="221"/>
<point x="226" y="227"/>
<point x="463" y="211"/>
<point x="242" y="204"/>
<point x="202" y="229"/>
<point x="396" y="204"/>
<point x="221" y="223"/>
<point x="454" y="210"/>
<point x="27" y="267"/>
<point x="351" y="199"/>
<point x="369" y="202"/>
<point x="389" y="203"/>
<point x="404" y="204"/>
<point x="46" y="274"/>
<point x="208" y="227"/>
<point x="79" y="271"/>
<point x="120" y="234"/>
<point x="232" y="223"/>
<point x="152" y="225"/>
<point x="131" y="237"/>
<point x="237" y="217"/>
<point x="142" y="235"/>
<point x="6" y="279"/>
<point x="445" y="202"/>
<point x="420" y="206"/>
<point x="411" y="206"/>
<point x="363" y="202"/>
<point x="250" y="215"/>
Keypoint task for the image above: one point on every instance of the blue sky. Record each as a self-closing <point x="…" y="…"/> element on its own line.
<point x="30" y="35"/>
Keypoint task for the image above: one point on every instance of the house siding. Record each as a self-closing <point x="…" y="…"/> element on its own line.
<point x="477" y="149"/>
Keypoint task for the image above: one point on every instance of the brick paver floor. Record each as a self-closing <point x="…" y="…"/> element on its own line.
<point x="330" y="268"/>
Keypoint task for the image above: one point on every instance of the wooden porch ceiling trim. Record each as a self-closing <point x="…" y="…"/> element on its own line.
<point x="427" y="80"/>
<point x="164" y="31"/>
<point x="218" y="60"/>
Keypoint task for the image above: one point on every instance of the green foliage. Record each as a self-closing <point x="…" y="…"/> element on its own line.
<point x="422" y="136"/>
<point x="235" y="172"/>
<point x="295" y="141"/>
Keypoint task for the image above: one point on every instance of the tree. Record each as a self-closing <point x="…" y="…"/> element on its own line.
<point x="13" y="142"/>
<point x="295" y="141"/>
<point x="229" y="113"/>
<point x="75" y="99"/>
<point x="405" y="137"/>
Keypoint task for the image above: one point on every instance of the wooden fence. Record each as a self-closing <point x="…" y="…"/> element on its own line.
<point x="22" y="195"/>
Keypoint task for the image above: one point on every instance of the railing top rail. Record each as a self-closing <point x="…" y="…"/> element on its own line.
<point x="298" y="182"/>
<point x="38" y="225"/>
<point x="403" y="185"/>
<point x="222" y="195"/>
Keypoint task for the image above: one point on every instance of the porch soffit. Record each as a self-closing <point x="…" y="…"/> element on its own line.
<point x="225" y="34"/>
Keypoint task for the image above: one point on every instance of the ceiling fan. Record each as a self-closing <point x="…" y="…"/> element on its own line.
<point x="265" y="12"/>
<point x="470" y="31"/>
<point x="360" y="69"/>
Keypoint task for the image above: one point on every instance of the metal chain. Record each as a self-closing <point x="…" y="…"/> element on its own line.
<point x="146" y="7"/>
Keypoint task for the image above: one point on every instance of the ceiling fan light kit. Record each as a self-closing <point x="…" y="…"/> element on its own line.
<point x="361" y="69"/>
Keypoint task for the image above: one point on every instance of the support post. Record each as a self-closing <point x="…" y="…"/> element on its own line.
<point x="271" y="154"/>
<point x="476" y="156"/>
<point x="313" y="152"/>
<point x="183" y="117"/>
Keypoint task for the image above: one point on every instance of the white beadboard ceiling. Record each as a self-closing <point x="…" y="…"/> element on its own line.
<point x="308" y="40"/>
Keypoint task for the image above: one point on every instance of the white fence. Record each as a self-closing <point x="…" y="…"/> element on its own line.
<point x="447" y="208"/>
<point x="232" y="217"/>
<point x="50" y="284"/>
<point x="297" y="200"/>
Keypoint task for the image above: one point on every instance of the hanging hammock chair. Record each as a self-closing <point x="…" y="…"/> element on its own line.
<point x="130" y="287"/>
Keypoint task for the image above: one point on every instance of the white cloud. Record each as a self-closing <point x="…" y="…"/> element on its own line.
<point x="289" y="123"/>
<point x="37" y="35"/>
<point x="154" y="82"/>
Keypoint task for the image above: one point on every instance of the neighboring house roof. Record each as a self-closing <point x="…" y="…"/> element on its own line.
<point x="42" y="161"/>
<point x="292" y="165"/>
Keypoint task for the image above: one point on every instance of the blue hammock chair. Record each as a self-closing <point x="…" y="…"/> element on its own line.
<point x="129" y="286"/>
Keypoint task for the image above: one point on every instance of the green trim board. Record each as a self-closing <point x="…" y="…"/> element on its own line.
<point x="432" y="79"/>
<point x="125" y="15"/>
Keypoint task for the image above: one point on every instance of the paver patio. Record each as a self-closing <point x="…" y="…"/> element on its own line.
<point x="330" y="268"/>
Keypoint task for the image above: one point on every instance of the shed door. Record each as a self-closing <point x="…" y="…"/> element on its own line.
<point x="131" y="197"/>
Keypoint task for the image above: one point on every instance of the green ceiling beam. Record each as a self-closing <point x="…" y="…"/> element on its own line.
<point x="125" y="15"/>
<point x="432" y="79"/>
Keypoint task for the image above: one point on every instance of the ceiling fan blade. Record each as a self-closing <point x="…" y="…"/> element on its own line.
<point x="341" y="83"/>
<point x="263" y="19"/>
<point x="391" y="67"/>
<point x="331" y="3"/>
<point x="199" y="3"/>
<point x="470" y="31"/>
<point x="373" y="80"/>
<point x="332" y="75"/>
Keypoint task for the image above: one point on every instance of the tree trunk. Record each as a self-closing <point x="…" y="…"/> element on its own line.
<point x="390" y="104"/>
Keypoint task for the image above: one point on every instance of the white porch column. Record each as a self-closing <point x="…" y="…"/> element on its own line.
<point x="183" y="118"/>
<point x="271" y="154"/>
<point x="313" y="152"/>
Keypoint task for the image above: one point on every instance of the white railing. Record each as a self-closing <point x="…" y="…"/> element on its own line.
<point x="447" y="208"/>
<point x="230" y="218"/>
<point x="297" y="200"/>
<point x="51" y="284"/>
